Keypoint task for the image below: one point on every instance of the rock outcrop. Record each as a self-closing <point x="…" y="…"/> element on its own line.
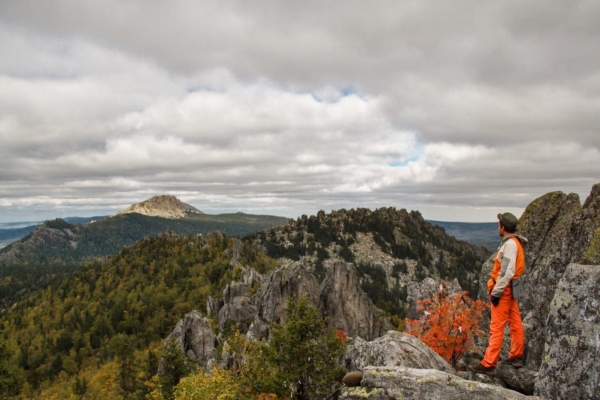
<point x="394" y="349"/>
<point x="294" y="280"/>
<point x="560" y="231"/>
<point x="391" y="383"/>
<point x="399" y="244"/>
<point x="239" y="311"/>
<point x="194" y="335"/>
<point x="238" y="307"/>
<point x="571" y="362"/>
<point x="560" y="298"/>
<point x="346" y="305"/>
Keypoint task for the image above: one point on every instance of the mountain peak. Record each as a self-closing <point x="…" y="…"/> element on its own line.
<point x="165" y="206"/>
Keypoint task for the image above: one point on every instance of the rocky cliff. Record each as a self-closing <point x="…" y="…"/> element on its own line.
<point x="561" y="297"/>
<point x="252" y="303"/>
<point x="560" y="231"/>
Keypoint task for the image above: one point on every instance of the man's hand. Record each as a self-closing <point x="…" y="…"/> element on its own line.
<point x="495" y="300"/>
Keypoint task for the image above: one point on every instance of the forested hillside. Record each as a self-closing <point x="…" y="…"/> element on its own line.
<point x="389" y="247"/>
<point x="58" y="248"/>
<point x="100" y="330"/>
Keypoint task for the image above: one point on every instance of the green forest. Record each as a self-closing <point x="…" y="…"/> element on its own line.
<point x="100" y="331"/>
<point x="70" y="329"/>
<point x="58" y="248"/>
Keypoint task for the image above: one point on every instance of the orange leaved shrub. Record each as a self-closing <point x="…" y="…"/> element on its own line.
<point x="448" y="324"/>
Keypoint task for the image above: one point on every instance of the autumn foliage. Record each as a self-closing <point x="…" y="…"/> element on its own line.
<point x="448" y="324"/>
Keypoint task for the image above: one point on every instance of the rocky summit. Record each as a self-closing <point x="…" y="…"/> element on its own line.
<point x="165" y="206"/>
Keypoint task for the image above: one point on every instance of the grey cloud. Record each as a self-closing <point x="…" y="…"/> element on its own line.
<point x="119" y="101"/>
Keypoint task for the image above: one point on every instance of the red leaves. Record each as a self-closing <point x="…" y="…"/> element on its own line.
<point x="448" y="324"/>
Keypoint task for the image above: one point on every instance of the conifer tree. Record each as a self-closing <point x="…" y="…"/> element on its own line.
<point x="10" y="376"/>
<point x="307" y="352"/>
<point x="174" y="366"/>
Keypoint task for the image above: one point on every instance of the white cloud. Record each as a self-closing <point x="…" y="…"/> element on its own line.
<point x="452" y="108"/>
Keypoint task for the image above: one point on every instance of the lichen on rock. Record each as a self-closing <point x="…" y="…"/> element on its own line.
<point x="390" y="383"/>
<point x="592" y="253"/>
<point x="571" y="366"/>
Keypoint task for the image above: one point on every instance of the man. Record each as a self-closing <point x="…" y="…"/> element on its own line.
<point x="509" y="265"/>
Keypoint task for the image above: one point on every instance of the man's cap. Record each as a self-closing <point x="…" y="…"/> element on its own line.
<point x="508" y="220"/>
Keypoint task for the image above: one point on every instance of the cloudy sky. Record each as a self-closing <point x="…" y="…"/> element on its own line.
<point x="457" y="109"/>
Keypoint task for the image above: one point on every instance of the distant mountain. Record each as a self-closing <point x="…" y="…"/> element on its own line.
<point x="165" y="206"/>
<point x="8" y="236"/>
<point x="12" y="231"/>
<point x="479" y="233"/>
<point x="58" y="247"/>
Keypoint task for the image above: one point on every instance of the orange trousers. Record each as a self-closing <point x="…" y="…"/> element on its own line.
<point x="507" y="311"/>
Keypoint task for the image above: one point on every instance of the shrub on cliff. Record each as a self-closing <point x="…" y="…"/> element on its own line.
<point x="448" y="324"/>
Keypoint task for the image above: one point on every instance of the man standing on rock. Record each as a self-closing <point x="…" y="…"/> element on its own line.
<point x="504" y="288"/>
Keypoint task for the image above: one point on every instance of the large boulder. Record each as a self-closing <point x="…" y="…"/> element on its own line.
<point x="238" y="308"/>
<point x="213" y="306"/>
<point x="394" y="349"/>
<point x="236" y="251"/>
<point x="391" y="383"/>
<point x="571" y="360"/>
<point x="250" y="279"/>
<point x="347" y="306"/>
<point x="235" y="289"/>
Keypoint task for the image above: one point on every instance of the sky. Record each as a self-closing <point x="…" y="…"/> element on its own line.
<point x="459" y="110"/>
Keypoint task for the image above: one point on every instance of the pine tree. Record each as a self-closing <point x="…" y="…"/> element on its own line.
<point x="174" y="366"/>
<point x="307" y="352"/>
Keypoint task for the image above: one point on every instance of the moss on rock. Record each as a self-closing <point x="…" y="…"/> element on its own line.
<point x="592" y="253"/>
<point x="546" y="206"/>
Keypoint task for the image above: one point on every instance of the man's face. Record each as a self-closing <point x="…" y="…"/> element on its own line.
<point x="501" y="230"/>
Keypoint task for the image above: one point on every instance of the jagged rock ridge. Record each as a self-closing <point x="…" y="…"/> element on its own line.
<point x="165" y="206"/>
<point x="252" y="314"/>
<point x="390" y="248"/>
